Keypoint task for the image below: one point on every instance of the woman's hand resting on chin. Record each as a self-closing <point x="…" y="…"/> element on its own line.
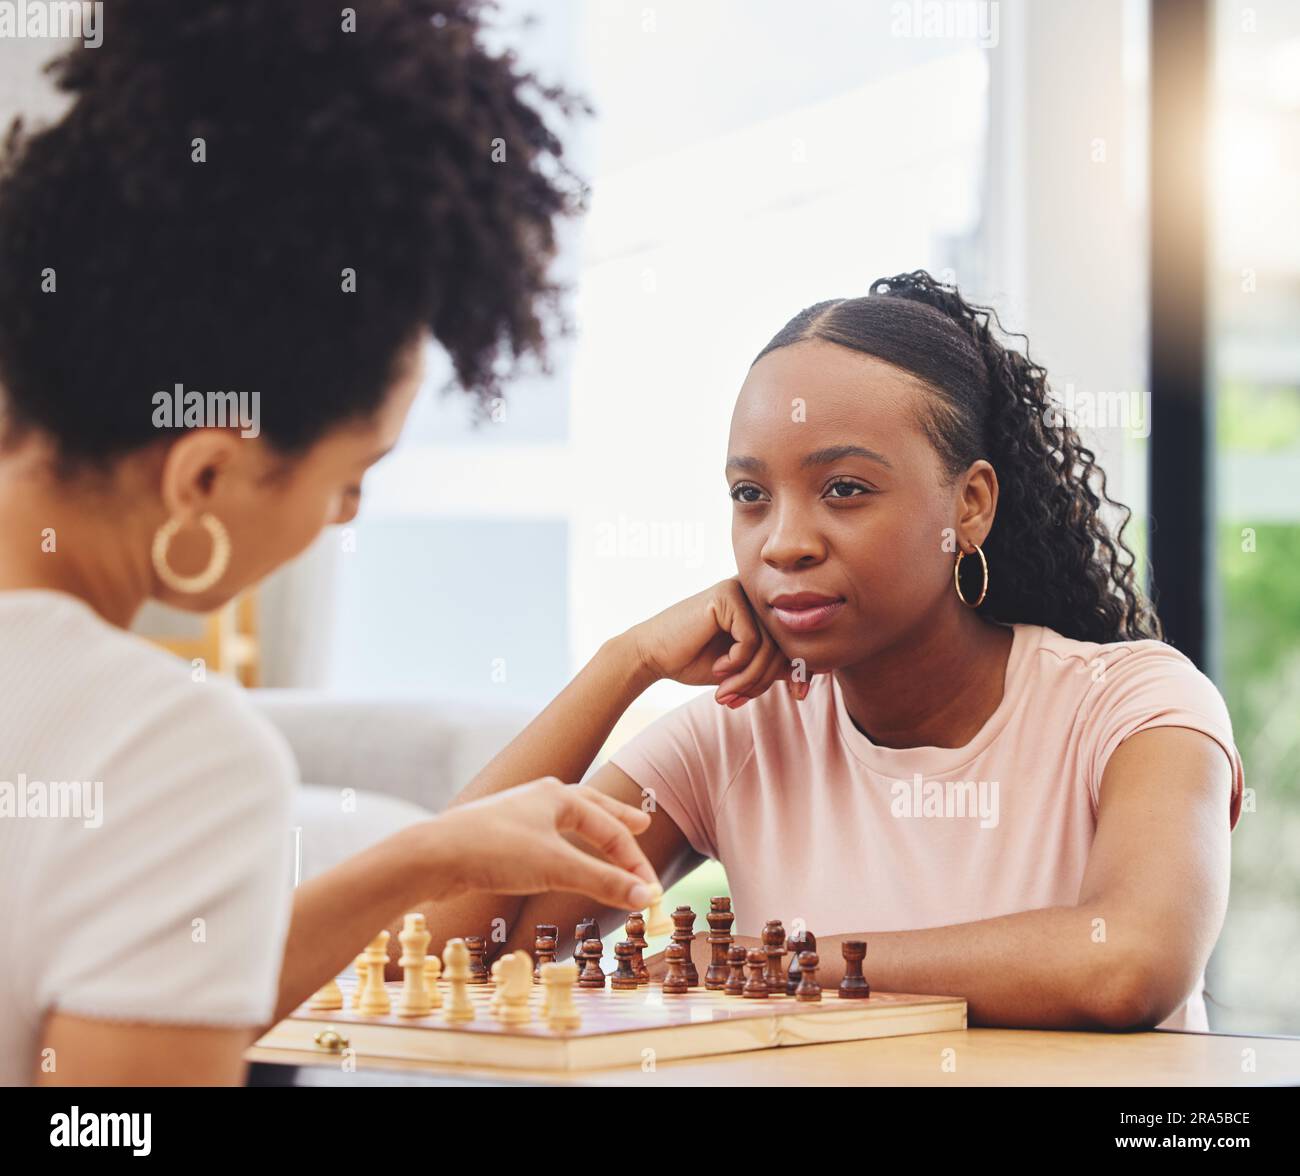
<point x="715" y="639"/>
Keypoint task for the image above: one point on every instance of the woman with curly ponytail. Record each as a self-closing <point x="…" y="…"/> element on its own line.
<point x="980" y="757"/>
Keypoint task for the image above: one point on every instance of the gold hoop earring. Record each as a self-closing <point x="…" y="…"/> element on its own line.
<point x="217" y="563"/>
<point x="956" y="577"/>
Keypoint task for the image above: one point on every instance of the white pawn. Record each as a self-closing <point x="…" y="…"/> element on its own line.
<point x="515" y="978"/>
<point x="559" y="981"/>
<point x="362" y="968"/>
<point x="459" y="1006"/>
<point x="432" y="970"/>
<point x="374" y="1001"/>
<point x="494" y="1001"/>
<point x="414" y="938"/>
<point x="329" y="997"/>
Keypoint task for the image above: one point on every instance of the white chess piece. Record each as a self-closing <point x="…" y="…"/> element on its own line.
<point x="329" y="997"/>
<point x="374" y="1001"/>
<point x="559" y="981"/>
<point x="656" y="922"/>
<point x="515" y="977"/>
<point x="432" y="970"/>
<point x="362" y="970"/>
<point x="455" y="956"/>
<point x="415" y="1000"/>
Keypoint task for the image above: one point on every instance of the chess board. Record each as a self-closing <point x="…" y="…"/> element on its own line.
<point x="618" y="1028"/>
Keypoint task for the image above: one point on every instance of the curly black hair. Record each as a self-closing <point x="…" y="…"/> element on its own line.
<point x="191" y="217"/>
<point x="1052" y="559"/>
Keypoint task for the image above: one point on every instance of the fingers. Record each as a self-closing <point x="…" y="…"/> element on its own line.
<point x="637" y="820"/>
<point x="734" y="618"/>
<point x="752" y="680"/>
<point x="580" y="873"/>
<point x="607" y="825"/>
<point x="764" y="666"/>
<point x="749" y="657"/>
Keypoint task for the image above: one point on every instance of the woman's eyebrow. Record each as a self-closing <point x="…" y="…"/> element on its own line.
<point x="749" y="464"/>
<point x="835" y="452"/>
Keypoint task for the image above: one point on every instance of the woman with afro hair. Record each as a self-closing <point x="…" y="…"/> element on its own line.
<point x="288" y="200"/>
<point x="942" y="721"/>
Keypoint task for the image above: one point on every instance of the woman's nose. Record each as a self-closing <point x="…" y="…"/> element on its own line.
<point x="793" y="541"/>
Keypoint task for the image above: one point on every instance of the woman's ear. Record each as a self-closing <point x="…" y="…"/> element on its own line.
<point x="193" y="469"/>
<point x="979" y="502"/>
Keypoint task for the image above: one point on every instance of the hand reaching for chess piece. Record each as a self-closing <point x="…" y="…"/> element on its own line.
<point x="522" y="848"/>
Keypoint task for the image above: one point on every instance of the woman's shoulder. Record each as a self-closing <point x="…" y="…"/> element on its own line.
<point x="1105" y="669"/>
<point x="1118" y="689"/>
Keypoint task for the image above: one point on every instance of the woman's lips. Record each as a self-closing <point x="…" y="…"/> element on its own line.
<point x="806" y="611"/>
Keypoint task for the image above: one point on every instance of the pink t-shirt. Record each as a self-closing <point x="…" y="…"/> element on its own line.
<point x="814" y="822"/>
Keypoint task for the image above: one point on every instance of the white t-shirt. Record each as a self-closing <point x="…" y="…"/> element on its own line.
<point x="145" y="841"/>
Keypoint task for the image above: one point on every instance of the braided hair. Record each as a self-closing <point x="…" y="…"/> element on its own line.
<point x="1052" y="559"/>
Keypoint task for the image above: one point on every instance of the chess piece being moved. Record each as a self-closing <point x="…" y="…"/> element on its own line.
<point x="808" y="989"/>
<point x="720" y="918"/>
<point x="414" y="1001"/>
<point x="374" y="1001"/>
<point x="854" y="986"/>
<point x="455" y="958"/>
<point x="656" y="922"/>
<point x="558" y="981"/>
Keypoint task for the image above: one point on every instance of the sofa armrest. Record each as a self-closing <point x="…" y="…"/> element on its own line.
<point x="423" y="752"/>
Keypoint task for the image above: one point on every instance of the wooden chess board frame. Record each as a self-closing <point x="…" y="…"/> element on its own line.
<point x="617" y="1027"/>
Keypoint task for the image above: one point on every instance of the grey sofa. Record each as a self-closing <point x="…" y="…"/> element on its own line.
<point x="371" y="767"/>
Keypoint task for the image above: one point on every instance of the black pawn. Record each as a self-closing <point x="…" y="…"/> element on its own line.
<point x="478" y="969"/>
<point x="808" y="989"/>
<point x="592" y="976"/>
<point x="675" y="982"/>
<point x="735" y="971"/>
<point x="756" y="966"/>
<point x="796" y="945"/>
<point x="774" y="945"/>
<point x="624" y="978"/>
<point x="545" y="948"/>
